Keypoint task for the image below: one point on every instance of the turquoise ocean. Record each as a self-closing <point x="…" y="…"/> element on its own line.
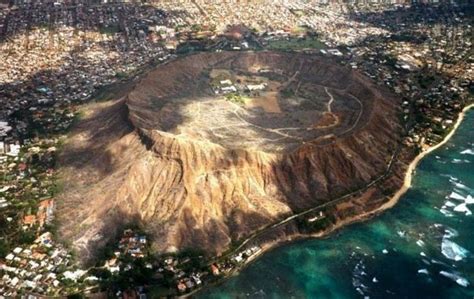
<point x="421" y="248"/>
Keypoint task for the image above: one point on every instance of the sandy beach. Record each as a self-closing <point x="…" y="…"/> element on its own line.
<point x="411" y="168"/>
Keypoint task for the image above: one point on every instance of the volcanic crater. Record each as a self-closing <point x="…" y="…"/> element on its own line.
<point x="208" y="148"/>
<point x="283" y="102"/>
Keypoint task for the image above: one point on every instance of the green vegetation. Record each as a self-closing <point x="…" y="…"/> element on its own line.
<point x="137" y="274"/>
<point x="390" y="60"/>
<point x="287" y="93"/>
<point x="316" y="226"/>
<point x="294" y="44"/>
<point x="190" y="47"/>
<point x="439" y="130"/>
<point x="4" y="248"/>
<point x="235" y="98"/>
<point x="421" y="117"/>
<point x="179" y="27"/>
<point x="196" y="259"/>
<point x="109" y="30"/>
<point x="26" y="237"/>
<point x="121" y="75"/>
<point x="196" y="27"/>
<point x="56" y="187"/>
<point x="425" y="81"/>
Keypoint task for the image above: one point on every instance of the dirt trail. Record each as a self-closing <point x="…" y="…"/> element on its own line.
<point x="331" y="99"/>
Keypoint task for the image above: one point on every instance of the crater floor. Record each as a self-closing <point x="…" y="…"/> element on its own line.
<point x="265" y="101"/>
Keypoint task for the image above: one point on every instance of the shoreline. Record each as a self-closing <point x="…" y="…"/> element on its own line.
<point x="407" y="182"/>
<point x="412" y="166"/>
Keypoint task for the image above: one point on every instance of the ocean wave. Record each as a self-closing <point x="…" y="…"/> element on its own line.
<point x="455" y="277"/>
<point x="446" y="212"/>
<point x="456" y="196"/>
<point x="453" y="251"/>
<point x="462" y="208"/>
<point x="462" y="187"/>
<point x="423" y="271"/>
<point x="460" y="161"/>
<point x="467" y="152"/>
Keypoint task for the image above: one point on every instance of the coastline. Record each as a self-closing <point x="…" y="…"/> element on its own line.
<point x="412" y="166"/>
<point x="407" y="182"/>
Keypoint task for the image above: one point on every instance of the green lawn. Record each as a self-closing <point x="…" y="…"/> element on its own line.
<point x="235" y="98"/>
<point x="294" y="43"/>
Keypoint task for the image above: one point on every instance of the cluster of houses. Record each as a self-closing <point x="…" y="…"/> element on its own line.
<point x="261" y="15"/>
<point x="75" y="54"/>
<point x="332" y="20"/>
<point x="247" y="254"/>
<point x="43" y="216"/>
<point x="131" y="244"/>
<point x="36" y="264"/>
<point x="227" y="86"/>
<point x="187" y="284"/>
<point x="419" y="63"/>
<point x="40" y="268"/>
<point x="185" y="278"/>
<point x="18" y="171"/>
<point x="46" y="70"/>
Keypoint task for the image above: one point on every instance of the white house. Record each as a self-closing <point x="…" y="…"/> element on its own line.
<point x="227" y="89"/>
<point x="4" y="128"/>
<point x="14" y="150"/>
<point x="252" y="87"/>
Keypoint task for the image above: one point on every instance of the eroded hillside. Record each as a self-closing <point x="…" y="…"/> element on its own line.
<point x="210" y="147"/>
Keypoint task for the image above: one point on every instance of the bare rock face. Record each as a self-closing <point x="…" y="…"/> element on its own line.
<point x="211" y="147"/>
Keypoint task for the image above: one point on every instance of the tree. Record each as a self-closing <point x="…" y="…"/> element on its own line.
<point x="4" y="248"/>
<point x="27" y="237"/>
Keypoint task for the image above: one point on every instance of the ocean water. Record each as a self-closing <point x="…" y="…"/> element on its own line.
<point x="422" y="248"/>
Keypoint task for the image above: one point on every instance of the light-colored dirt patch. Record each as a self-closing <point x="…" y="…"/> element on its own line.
<point x="220" y="73"/>
<point x="258" y="67"/>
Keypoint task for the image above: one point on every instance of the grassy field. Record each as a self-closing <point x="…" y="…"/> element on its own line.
<point x="235" y="98"/>
<point x="294" y="43"/>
